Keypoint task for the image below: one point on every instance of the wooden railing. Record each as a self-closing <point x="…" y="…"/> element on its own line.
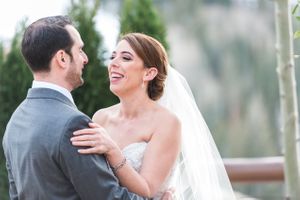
<point x="254" y="169"/>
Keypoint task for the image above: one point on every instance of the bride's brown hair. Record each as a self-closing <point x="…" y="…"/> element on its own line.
<point x="153" y="54"/>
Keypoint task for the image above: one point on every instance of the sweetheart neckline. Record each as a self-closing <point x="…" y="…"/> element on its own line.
<point x="133" y="144"/>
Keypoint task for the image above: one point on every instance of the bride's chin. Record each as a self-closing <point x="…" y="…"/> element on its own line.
<point x="114" y="90"/>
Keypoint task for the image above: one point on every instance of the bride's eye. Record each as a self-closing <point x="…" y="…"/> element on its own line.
<point x="126" y="58"/>
<point x="111" y="57"/>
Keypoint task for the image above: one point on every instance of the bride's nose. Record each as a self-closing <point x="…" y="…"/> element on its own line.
<point x="114" y="63"/>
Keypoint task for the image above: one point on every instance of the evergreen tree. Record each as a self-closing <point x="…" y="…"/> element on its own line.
<point x="95" y="93"/>
<point x="15" y="79"/>
<point x="141" y="16"/>
<point x="1" y="54"/>
<point x="3" y="173"/>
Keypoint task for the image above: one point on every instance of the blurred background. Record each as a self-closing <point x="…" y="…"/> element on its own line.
<point x="224" y="48"/>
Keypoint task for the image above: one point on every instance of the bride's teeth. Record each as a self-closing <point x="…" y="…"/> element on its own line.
<point x="117" y="75"/>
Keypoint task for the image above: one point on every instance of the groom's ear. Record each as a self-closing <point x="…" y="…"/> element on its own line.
<point x="150" y="73"/>
<point x="60" y="58"/>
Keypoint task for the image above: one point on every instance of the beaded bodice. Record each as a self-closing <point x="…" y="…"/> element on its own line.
<point x="134" y="154"/>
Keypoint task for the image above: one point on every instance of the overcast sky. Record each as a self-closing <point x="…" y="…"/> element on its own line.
<point x="13" y="11"/>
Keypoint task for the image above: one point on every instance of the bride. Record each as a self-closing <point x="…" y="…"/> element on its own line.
<point x="155" y="138"/>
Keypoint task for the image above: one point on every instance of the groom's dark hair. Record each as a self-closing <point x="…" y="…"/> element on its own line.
<point x="43" y="38"/>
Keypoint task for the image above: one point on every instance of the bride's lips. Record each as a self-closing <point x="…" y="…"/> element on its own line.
<point x="115" y="77"/>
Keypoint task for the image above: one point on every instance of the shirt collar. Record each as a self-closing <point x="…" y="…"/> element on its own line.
<point x="43" y="84"/>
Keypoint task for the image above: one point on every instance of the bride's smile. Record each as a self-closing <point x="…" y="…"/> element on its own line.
<point x="115" y="77"/>
<point x="126" y="70"/>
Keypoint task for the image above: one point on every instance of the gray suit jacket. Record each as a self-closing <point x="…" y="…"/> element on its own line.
<point x="41" y="162"/>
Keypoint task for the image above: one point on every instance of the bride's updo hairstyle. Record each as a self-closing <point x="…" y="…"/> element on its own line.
<point x="153" y="54"/>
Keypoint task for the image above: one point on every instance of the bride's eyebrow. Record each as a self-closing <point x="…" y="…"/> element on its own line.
<point x="126" y="52"/>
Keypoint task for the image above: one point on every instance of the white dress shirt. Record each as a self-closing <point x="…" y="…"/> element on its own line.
<point x="43" y="84"/>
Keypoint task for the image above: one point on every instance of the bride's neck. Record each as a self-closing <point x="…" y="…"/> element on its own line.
<point x="132" y="107"/>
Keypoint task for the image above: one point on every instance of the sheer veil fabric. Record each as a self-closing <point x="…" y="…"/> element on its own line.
<point x="200" y="173"/>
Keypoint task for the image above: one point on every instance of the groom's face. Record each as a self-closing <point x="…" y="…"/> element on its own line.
<point x="78" y="60"/>
<point x="126" y="70"/>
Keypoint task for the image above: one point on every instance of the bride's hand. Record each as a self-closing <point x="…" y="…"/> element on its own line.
<point x="95" y="138"/>
<point x="169" y="194"/>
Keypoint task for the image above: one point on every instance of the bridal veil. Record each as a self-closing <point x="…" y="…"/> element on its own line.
<point x="200" y="172"/>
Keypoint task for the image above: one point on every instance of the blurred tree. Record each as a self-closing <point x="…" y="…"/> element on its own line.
<point x="141" y="16"/>
<point x="15" y="79"/>
<point x="1" y="53"/>
<point x="288" y="98"/>
<point x="95" y="93"/>
<point x="240" y="65"/>
<point x="3" y="172"/>
<point x="222" y="2"/>
<point x="230" y="68"/>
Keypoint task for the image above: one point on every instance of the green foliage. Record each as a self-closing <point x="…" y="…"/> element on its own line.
<point x="15" y="79"/>
<point x="141" y="16"/>
<point x="1" y="54"/>
<point x="294" y="12"/>
<point x="95" y="93"/>
<point x="295" y="8"/>
<point x="4" y="181"/>
<point x="297" y="34"/>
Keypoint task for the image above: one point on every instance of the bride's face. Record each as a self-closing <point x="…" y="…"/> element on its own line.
<point x="126" y="70"/>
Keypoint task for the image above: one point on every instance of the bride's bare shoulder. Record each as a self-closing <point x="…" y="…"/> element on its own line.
<point x="168" y="118"/>
<point x="167" y="129"/>
<point x="103" y="114"/>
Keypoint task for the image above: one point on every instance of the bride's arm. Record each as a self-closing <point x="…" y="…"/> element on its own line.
<point x="159" y="158"/>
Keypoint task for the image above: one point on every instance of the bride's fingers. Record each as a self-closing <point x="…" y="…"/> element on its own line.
<point x="86" y="131"/>
<point x="98" y="150"/>
<point x="94" y="125"/>
<point x="87" y="140"/>
<point x="169" y="194"/>
<point x="88" y="143"/>
<point x="84" y="138"/>
<point x="89" y="131"/>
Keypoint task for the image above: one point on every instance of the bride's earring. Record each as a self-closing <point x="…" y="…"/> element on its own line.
<point x="143" y="84"/>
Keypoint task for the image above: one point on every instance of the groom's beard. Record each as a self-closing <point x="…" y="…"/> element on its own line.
<point x="74" y="77"/>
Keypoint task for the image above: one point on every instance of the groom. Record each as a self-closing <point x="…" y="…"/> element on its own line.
<point x="40" y="160"/>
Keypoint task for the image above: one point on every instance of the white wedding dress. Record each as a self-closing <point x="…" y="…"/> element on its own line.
<point x="134" y="154"/>
<point x="199" y="173"/>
